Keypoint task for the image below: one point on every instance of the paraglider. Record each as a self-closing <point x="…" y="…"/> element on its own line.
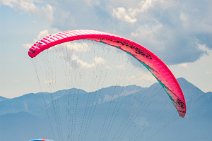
<point x="152" y="62"/>
<point x="40" y="140"/>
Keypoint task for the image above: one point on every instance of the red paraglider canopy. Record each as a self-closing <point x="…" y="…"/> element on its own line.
<point x="160" y="71"/>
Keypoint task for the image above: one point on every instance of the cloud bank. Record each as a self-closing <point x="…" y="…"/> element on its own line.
<point x="174" y="30"/>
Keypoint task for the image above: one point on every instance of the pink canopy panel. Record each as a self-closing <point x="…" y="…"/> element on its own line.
<point x="158" y="68"/>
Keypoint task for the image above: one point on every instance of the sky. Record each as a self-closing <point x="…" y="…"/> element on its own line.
<point x="178" y="31"/>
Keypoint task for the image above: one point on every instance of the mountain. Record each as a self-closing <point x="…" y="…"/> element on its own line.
<point x="111" y="113"/>
<point x="34" y="103"/>
<point x="2" y="98"/>
<point x="209" y="93"/>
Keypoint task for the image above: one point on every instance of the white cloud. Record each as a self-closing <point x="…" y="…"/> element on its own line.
<point x="71" y="50"/>
<point x="203" y="47"/>
<point x="92" y="2"/>
<point x="122" y="14"/>
<point x="31" y="6"/>
<point x="183" y="65"/>
<point x="26" y="5"/>
<point x="47" y="12"/>
<point x="77" y="47"/>
<point x="199" y="72"/>
<point x="27" y="45"/>
<point x="77" y="62"/>
<point x="150" y="35"/>
<point x="41" y="34"/>
<point x="99" y="60"/>
<point x="130" y="14"/>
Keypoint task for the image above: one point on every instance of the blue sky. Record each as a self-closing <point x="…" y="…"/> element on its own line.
<point x="179" y="32"/>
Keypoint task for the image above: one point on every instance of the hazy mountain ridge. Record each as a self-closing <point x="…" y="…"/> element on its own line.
<point x="2" y="98"/>
<point x="209" y="93"/>
<point x="38" y="114"/>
